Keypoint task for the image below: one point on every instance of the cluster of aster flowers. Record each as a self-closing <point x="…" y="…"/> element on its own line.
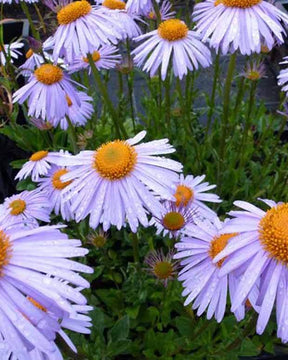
<point x="129" y="182"/>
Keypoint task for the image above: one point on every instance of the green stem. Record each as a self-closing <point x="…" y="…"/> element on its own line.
<point x="212" y="103"/>
<point x="119" y="128"/>
<point x="167" y="101"/>
<point x="40" y="17"/>
<point x="72" y="135"/>
<point x="25" y="9"/>
<point x="130" y="94"/>
<point x="240" y="94"/>
<point x="157" y="11"/>
<point x="135" y="245"/>
<point x="120" y="94"/>
<point x="226" y="108"/>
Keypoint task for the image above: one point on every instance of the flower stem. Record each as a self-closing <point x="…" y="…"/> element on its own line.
<point x="40" y="17"/>
<point x="212" y="103"/>
<point x="72" y="135"/>
<point x="167" y="101"/>
<point x="135" y="245"/>
<point x="25" y="9"/>
<point x="119" y="128"/>
<point x="157" y="11"/>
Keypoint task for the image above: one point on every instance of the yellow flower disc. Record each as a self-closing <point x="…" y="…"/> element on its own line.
<point x="218" y="244"/>
<point x="173" y="221"/>
<point x="39" y="155"/>
<point x="183" y="195"/>
<point x="163" y="270"/>
<point x="5" y="251"/>
<point x="48" y="74"/>
<point x="273" y="232"/>
<point x="115" y="160"/>
<point x="244" y="4"/>
<point x="73" y="11"/>
<point x="29" y="53"/>
<point x="17" y="207"/>
<point x="95" y="56"/>
<point x="173" y="29"/>
<point x="114" y="4"/>
<point x="57" y="183"/>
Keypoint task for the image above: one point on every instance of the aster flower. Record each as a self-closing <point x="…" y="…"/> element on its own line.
<point x="163" y="267"/>
<point x="260" y="250"/>
<point x="25" y="209"/>
<point x="245" y="25"/>
<point x="97" y="238"/>
<point x="200" y="276"/>
<point x="10" y="51"/>
<point x="191" y="191"/>
<point x="171" y="42"/>
<point x="283" y="76"/>
<point x="254" y="71"/>
<point x="165" y="12"/>
<point x="46" y="92"/>
<point x="41" y="124"/>
<point x="26" y="257"/>
<point x="139" y="7"/>
<point x="113" y="182"/>
<point x="53" y="187"/>
<point x="77" y="113"/>
<point x="82" y="29"/>
<point x="106" y="57"/>
<point x="173" y="219"/>
<point x="39" y="163"/>
<point x="125" y="20"/>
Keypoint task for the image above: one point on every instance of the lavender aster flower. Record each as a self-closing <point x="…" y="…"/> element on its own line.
<point x="112" y="183"/>
<point x="230" y="25"/>
<point x="11" y="51"/>
<point x="25" y="209"/>
<point x="174" y="42"/>
<point x="82" y="28"/>
<point x="139" y="7"/>
<point x="200" y="245"/>
<point x="26" y="257"/>
<point x="260" y="250"/>
<point x="165" y="12"/>
<point x="46" y="92"/>
<point x="283" y="76"/>
<point x="106" y="57"/>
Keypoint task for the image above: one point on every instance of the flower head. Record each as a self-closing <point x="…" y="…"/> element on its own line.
<point x="260" y="253"/>
<point x="254" y="71"/>
<point x="245" y="25"/>
<point x="165" y="12"/>
<point x="283" y="76"/>
<point x="46" y="92"/>
<point x="171" y="42"/>
<point x="10" y="51"/>
<point x="139" y="7"/>
<point x="25" y="209"/>
<point x="113" y="182"/>
<point x="163" y="267"/>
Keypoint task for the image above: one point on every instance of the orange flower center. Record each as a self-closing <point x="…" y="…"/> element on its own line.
<point x="5" y="251"/>
<point x="115" y="160"/>
<point x="244" y="4"/>
<point x="163" y="270"/>
<point x="173" y="221"/>
<point x="48" y="74"/>
<point x="114" y="4"/>
<point x="273" y="232"/>
<point x="17" y="207"/>
<point x="95" y="56"/>
<point x="173" y="29"/>
<point x="73" y="11"/>
<point x="218" y="244"/>
<point x="39" y="155"/>
<point x="57" y="183"/>
<point x="183" y="195"/>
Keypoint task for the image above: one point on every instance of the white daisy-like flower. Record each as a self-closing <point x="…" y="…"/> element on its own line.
<point x="10" y="51"/>
<point x="126" y="20"/>
<point x="230" y="25"/>
<point x="139" y="7"/>
<point x="283" y="76"/>
<point x="78" y="114"/>
<point x="172" y="43"/>
<point x="52" y="185"/>
<point x="173" y="219"/>
<point x="39" y="163"/>
<point x="260" y="250"/>
<point x="200" y="276"/>
<point x="17" y="1"/>
<point x="26" y="257"/>
<point x="191" y="191"/>
<point x="165" y="12"/>
<point x="82" y="29"/>
<point x="25" y="209"/>
<point x="106" y="57"/>
<point x="46" y="92"/>
<point x="113" y="183"/>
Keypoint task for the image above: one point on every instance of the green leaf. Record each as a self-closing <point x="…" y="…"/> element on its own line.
<point x="120" y="330"/>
